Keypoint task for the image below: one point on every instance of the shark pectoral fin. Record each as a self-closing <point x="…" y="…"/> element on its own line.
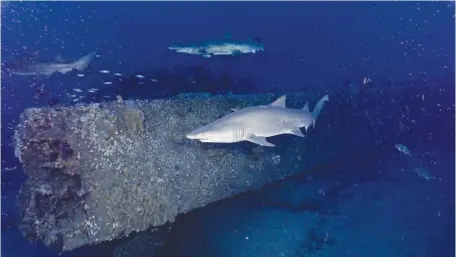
<point x="204" y="53"/>
<point x="236" y="52"/>
<point x="297" y="132"/>
<point x="258" y="140"/>
<point x="235" y="109"/>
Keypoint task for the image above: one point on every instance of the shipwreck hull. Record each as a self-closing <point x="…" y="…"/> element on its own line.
<point x="101" y="171"/>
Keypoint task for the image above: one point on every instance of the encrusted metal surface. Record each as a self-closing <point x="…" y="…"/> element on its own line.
<point x="101" y="171"/>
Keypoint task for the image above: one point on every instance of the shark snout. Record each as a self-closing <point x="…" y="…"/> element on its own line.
<point x="191" y="136"/>
<point x="199" y="134"/>
<point x="194" y="135"/>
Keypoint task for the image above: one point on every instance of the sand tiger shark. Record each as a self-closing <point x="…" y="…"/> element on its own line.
<point x="225" y="47"/>
<point x="47" y="69"/>
<point x="255" y="124"/>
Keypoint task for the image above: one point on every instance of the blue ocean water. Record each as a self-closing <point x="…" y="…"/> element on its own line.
<point x="367" y="205"/>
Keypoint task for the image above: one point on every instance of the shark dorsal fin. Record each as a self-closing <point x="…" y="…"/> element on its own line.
<point x="306" y="107"/>
<point x="280" y="102"/>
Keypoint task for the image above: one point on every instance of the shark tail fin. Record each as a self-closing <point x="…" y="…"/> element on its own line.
<point x="82" y="63"/>
<point x="316" y="111"/>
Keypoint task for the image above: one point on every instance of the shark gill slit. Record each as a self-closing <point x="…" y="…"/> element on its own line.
<point x="238" y="134"/>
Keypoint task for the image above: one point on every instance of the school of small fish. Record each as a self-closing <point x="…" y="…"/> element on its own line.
<point x="207" y="50"/>
<point x="422" y="172"/>
<point x="224" y="47"/>
<point x="77" y="98"/>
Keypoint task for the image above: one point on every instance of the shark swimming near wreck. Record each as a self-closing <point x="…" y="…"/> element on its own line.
<point x="47" y="69"/>
<point x="255" y="124"/>
<point x="225" y="47"/>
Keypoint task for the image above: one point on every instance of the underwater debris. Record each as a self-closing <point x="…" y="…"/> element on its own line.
<point x="119" y="99"/>
<point x="107" y="171"/>
<point x="129" y="119"/>
<point x="54" y="193"/>
<point x="127" y="183"/>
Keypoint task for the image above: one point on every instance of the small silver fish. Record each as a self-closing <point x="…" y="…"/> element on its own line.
<point x="92" y="90"/>
<point x="10" y="169"/>
<point x="424" y="173"/>
<point x="153" y="80"/>
<point x="139" y="76"/>
<point x="80" y="75"/>
<point x="403" y="149"/>
<point x="117" y="74"/>
<point x="104" y="71"/>
<point x="107" y="83"/>
<point x="77" y="90"/>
